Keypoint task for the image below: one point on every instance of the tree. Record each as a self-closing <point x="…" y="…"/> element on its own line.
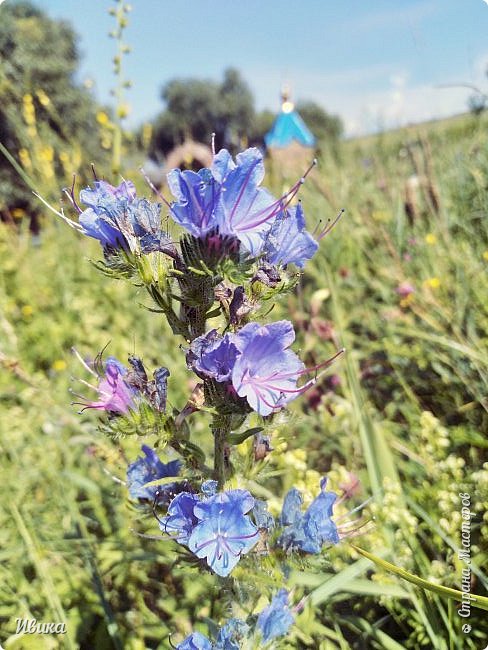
<point x="196" y="108"/>
<point x="322" y="124"/>
<point x="43" y="112"/>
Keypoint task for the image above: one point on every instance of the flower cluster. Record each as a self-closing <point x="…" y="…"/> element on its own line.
<point x="120" y="390"/>
<point x="228" y="199"/>
<point x="256" y="363"/>
<point x="223" y="202"/>
<point x="272" y="622"/>
<point x="308" y="531"/>
<point x="118" y="219"/>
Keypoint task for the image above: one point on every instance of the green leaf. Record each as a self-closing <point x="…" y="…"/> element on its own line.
<point x="481" y="602"/>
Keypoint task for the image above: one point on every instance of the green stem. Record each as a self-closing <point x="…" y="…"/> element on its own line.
<point x="220" y="430"/>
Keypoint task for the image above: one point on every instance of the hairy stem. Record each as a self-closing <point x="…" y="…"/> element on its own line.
<point x="220" y="430"/>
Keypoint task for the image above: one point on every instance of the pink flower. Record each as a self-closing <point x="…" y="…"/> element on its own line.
<point x="404" y="289"/>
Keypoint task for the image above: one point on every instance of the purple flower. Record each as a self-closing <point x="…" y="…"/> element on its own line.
<point x="404" y="289"/>
<point x="308" y="531"/>
<point x="149" y="468"/>
<point x="180" y="520"/>
<point x="244" y="209"/>
<point x="227" y="200"/>
<point x="224" y="532"/>
<point x="195" y="641"/>
<point x="276" y="619"/>
<point x="266" y="372"/>
<point x="212" y="356"/>
<point x="114" y="395"/>
<point x="288" y="242"/>
<point x="196" y="195"/>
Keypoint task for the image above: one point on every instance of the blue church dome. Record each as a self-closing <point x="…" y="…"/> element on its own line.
<point x="289" y="127"/>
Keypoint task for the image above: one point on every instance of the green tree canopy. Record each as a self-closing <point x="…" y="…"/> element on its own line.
<point x="40" y="102"/>
<point x="197" y="108"/>
<point x="322" y="124"/>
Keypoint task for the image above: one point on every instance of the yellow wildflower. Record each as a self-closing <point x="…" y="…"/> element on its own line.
<point x="102" y="118"/>
<point x="27" y="310"/>
<point x="43" y="98"/>
<point x="381" y="215"/>
<point x="18" y="213"/>
<point x="432" y="283"/>
<point x="59" y="365"/>
<point x="430" y="239"/>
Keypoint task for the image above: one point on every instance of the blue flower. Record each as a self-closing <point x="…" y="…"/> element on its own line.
<point x="262" y="518"/>
<point x="224" y="532"/>
<point x="195" y="641"/>
<point x="276" y="619"/>
<point x="244" y="209"/>
<point x="180" y="520"/>
<point x="308" y="531"/>
<point x="226" y="198"/>
<point x="266" y="371"/>
<point x="288" y="242"/>
<point x="231" y="635"/>
<point x="105" y="203"/>
<point x="149" y="468"/>
<point x="196" y="195"/>
<point x="120" y="220"/>
<point x="141" y="226"/>
<point x="212" y="355"/>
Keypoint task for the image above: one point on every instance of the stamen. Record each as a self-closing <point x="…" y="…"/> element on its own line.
<point x="155" y="537"/>
<point x="324" y="364"/>
<point x="329" y="226"/>
<point x="213" y="143"/>
<point x="83" y="362"/>
<point x="94" y="172"/>
<point x="71" y="196"/>
<point x="85" y="383"/>
<point x="154" y="188"/>
<point x="72" y="392"/>
<point x="153" y="508"/>
<point x="114" y="478"/>
<point x="356" y="531"/>
<point x="347" y="533"/>
<point x="60" y="214"/>
<point x="356" y="509"/>
<point x="282" y="203"/>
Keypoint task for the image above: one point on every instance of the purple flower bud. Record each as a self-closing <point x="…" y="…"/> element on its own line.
<point x="212" y="356"/>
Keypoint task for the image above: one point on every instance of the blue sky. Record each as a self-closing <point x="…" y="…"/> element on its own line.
<point x="374" y="62"/>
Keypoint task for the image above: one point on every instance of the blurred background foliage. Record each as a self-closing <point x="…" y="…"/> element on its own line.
<point x="401" y="282"/>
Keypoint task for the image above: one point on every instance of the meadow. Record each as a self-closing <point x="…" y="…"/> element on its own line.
<point x="400" y="282"/>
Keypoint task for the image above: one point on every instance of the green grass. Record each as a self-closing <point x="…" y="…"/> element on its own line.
<point x="409" y="418"/>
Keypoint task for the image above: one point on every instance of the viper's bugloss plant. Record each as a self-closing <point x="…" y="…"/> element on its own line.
<point x="240" y="250"/>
